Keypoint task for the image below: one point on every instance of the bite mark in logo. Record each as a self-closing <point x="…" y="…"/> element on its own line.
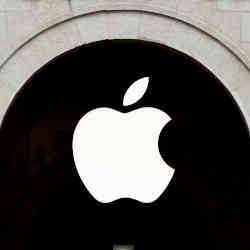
<point x="117" y="155"/>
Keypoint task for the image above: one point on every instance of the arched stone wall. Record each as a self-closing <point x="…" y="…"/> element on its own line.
<point x="128" y="21"/>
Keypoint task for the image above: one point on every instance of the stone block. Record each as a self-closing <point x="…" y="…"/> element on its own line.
<point x="193" y="6"/>
<point x="234" y="5"/>
<point x="3" y="26"/>
<point x="36" y="53"/>
<point x="246" y="47"/>
<point x="122" y="25"/>
<point x="245" y="28"/>
<point x="232" y="72"/>
<point x="228" y="23"/>
<point x="156" y="28"/>
<point x="63" y="37"/>
<point x="15" y="5"/>
<point x="20" y="25"/>
<point x="5" y="51"/>
<point x="50" y="44"/>
<point x="80" y="4"/>
<point x="46" y="10"/>
<point x="163" y="4"/>
<point x="15" y="74"/>
<point x="92" y="27"/>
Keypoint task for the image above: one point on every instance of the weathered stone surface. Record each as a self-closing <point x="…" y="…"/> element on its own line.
<point x="245" y="31"/>
<point x="246" y="47"/>
<point x="20" y="25"/>
<point x="123" y="25"/>
<point x="5" y="51"/>
<point x="170" y="4"/>
<point x="45" y="47"/>
<point x="46" y="10"/>
<point x="235" y="73"/>
<point x="64" y="37"/>
<point x="15" y="75"/>
<point x="157" y="28"/>
<point x="224" y="21"/>
<point x="194" y="5"/>
<point x="227" y="20"/>
<point x="198" y="45"/>
<point x="3" y="26"/>
<point x="92" y="27"/>
<point x="79" y="4"/>
<point x="16" y="5"/>
<point x="239" y="5"/>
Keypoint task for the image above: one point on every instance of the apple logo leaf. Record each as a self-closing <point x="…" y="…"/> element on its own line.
<point x="136" y="91"/>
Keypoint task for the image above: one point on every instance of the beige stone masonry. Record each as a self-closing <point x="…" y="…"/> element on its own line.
<point x="43" y="11"/>
<point x="15" y="5"/>
<point x="3" y="26"/>
<point x="245" y="30"/>
<point x="215" y="34"/>
<point x="93" y="27"/>
<point x="234" y="5"/>
<point x="123" y="25"/>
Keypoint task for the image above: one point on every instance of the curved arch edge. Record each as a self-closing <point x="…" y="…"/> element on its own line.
<point x="149" y="8"/>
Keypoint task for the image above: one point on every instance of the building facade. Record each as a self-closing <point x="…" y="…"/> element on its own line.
<point x="215" y="33"/>
<point x="212" y="32"/>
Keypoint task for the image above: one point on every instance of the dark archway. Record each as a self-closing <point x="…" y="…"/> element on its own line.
<point x="207" y="142"/>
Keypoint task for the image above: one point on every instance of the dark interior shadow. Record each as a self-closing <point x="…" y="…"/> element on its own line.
<point x="45" y="204"/>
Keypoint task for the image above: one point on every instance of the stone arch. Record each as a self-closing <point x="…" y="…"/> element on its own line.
<point x="21" y="166"/>
<point x="145" y="22"/>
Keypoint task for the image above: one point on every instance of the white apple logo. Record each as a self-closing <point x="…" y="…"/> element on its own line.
<point x="116" y="154"/>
